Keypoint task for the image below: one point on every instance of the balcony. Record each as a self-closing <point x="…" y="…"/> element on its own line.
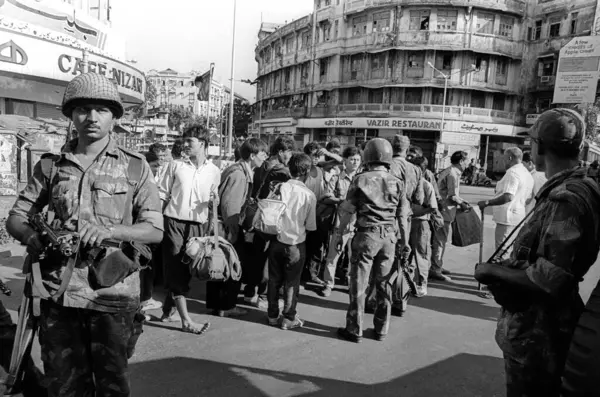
<point x="459" y="41"/>
<point x="397" y="110"/>
<point x="516" y="7"/>
<point x="545" y="83"/>
<point x="325" y="13"/>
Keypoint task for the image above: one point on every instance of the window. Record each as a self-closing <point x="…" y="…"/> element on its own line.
<point x="336" y="30"/>
<point x="288" y="77"/>
<point x="359" y="26"/>
<point x="443" y="61"/>
<point x="485" y="23"/>
<point x="413" y="95"/>
<point x="543" y="104"/>
<point x="554" y="27"/>
<point x="546" y="67"/>
<point x="323" y="67"/>
<point x="481" y="64"/>
<point x="355" y="95"/>
<point x="506" y="26"/>
<point x="502" y="67"/>
<point x="419" y="20"/>
<point x="326" y="27"/>
<point x="477" y="99"/>
<point x="304" y="74"/>
<point x="277" y="49"/>
<point x="573" y="28"/>
<point x="377" y="65"/>
<point x="446" y="19"/>
<point x="306" y="39"/>
<point x="537" y="32"/>
<point x="437" y="96"/>
<point x="356" y="66"/>
<point x="416" y="60"/>
<point x="499" y="102"/>
<point x="289" y="44"/>
<point x="376" y="96"/>
<point x="381" y="21"/>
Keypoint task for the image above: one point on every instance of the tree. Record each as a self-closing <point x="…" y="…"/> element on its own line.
<point x="590" y="112"/>
<point x="149" y="100"/>
<point x="179" y="117"/>
<point x="242" y="117"/>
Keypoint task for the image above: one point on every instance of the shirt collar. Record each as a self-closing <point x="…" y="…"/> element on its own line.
<point x="188" y="161"/>
<point x="247" y="169"/>
<point x="557" y="179"/>
<point x="296" y="182"/>
<point x="111" y="149"/>
<point x="345" y="175"/>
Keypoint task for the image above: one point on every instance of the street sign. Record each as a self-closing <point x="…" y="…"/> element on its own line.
<point x="577" y="75"/>
<point x="530" y="119"/>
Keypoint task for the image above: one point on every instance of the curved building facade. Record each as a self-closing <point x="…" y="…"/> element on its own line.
<point x="357" y="69"/>
<point x="42" y="45"/>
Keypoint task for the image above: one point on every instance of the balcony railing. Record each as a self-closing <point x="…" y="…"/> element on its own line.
<point x="511" y="6"/>
<point x="405" y="110"/>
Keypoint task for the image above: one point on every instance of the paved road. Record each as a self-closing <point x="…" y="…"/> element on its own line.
<point x="443" y="347"/>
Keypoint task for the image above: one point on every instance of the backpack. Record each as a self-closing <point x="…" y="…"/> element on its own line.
<point x="269" y="213"/>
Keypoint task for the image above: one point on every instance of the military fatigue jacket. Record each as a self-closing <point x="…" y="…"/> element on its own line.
<point x="96" y="195"/>
<point x="556" y="247"/>
<point x="377" y="197"/>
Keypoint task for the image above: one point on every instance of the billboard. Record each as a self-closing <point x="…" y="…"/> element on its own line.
<point x="578" y="71"/>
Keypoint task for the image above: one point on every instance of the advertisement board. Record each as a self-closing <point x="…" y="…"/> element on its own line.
<point x="578" y="71"/>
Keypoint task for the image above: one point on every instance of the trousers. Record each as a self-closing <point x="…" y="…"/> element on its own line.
<point x="438" y="247"/>
<point x="501" y="233"/>
<point x="420" y="242"/>
<point x="373" y="249"/>
<point x="333" y="256"/>
<point x="285" y="270"/>
<point x="85" y="351"/>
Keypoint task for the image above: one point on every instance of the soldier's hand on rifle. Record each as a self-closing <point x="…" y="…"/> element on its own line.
<point x="93" y="235"/>
<point x="34" y="244"/>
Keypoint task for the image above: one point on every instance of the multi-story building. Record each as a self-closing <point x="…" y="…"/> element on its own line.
<point x="178" y="89"/>
<point x="356" y="69"/>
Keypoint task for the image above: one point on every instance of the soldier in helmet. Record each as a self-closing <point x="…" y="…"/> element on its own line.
<point x="377" y="199"/>
<point x="101" y="191"/>
<point x="538" y="286"/>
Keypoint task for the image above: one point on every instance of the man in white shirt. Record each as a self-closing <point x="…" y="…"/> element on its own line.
<point x="539" y="179"/>
<point x="287" y="253"/>
<point x="187" y="188"/>
<point x="512" y="192"/>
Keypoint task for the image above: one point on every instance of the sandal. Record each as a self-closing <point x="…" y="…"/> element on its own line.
<point x="193" y="330"/>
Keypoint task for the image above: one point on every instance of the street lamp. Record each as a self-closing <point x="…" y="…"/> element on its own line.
<point x="446" y="77"/>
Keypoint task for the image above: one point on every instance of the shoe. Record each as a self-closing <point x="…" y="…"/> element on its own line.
<point x="347" y="335"/>
<point x="262" y="303"/>
<point x="398" y="312"/>
<point x="439" y="277"/>
<point x="317" y="281"/>
<point x="251" y="301"/>
<point x="235" y="312"/>
<point x="287" y="324"/>
<point x="421" y="291"/>
<point x="379" y="337"/>
<point x="326" y="292"/>
<point x="274" y="322"/>
<point x="446" y="272"/>
<point x="151" y="304"/>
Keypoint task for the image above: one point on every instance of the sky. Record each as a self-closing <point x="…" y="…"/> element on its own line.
<point x="189" y="35"/>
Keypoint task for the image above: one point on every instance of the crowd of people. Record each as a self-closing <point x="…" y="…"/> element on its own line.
<point x="374" y="218"/>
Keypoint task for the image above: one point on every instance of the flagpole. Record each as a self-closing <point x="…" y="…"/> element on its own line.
<point x="210" y="74"/>
<point x="229" y="144"/>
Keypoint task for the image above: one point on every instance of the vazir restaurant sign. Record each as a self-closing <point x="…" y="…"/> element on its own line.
<point x="26" y="55"/>
<point x="409" y="124"/>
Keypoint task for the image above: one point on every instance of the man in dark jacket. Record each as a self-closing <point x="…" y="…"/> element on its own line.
<point x="272" y="172"/>
<point x="234" y="190"/>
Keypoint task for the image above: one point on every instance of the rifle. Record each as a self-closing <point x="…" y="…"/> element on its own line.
<point x="403" y="263"/>
<point x="67" y="245"/>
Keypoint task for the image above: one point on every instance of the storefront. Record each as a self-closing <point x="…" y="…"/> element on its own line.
<point x="37" y="62"/>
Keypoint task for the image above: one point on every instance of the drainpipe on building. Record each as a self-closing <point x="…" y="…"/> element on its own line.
<point x="313" y="56"/>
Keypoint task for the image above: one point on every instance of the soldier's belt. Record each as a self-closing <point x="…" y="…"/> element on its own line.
<point x="374" y="229"/>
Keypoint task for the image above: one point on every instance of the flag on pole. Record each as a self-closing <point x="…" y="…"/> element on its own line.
<point x="204" y="84"/>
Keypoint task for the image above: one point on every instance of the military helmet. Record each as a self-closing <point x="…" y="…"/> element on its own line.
<point x="92" y="87"/>
<point x="379" y="151"/>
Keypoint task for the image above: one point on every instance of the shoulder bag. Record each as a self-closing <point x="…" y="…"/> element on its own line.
<point x="267" y="219"/>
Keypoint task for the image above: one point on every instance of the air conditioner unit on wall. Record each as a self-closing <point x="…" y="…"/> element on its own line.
<point x="545" y="79"/>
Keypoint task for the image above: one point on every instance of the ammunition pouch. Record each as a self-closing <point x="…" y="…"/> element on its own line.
<point x="512" y="299"/>
<point x="107" y="269"/>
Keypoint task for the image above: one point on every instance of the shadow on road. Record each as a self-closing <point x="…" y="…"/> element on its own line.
<point x="461" y="307"/>
<point x="461" y="375"/>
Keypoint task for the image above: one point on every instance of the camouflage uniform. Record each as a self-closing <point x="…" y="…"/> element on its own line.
<point x="377" y="197"/>
<point x="85" y="336"/>
<point x="555" y="248"/>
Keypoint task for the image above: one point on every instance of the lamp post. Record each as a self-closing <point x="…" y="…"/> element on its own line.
<point x="232" y="100"/>
<point x="446" y="77"/>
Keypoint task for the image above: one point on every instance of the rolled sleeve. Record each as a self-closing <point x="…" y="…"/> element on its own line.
<point x="146" y="201"/>
<point x="548" y="277"/>
<point x="34" y="197"/>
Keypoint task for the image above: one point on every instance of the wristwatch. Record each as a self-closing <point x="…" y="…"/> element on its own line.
<point x="111" y="229"/>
